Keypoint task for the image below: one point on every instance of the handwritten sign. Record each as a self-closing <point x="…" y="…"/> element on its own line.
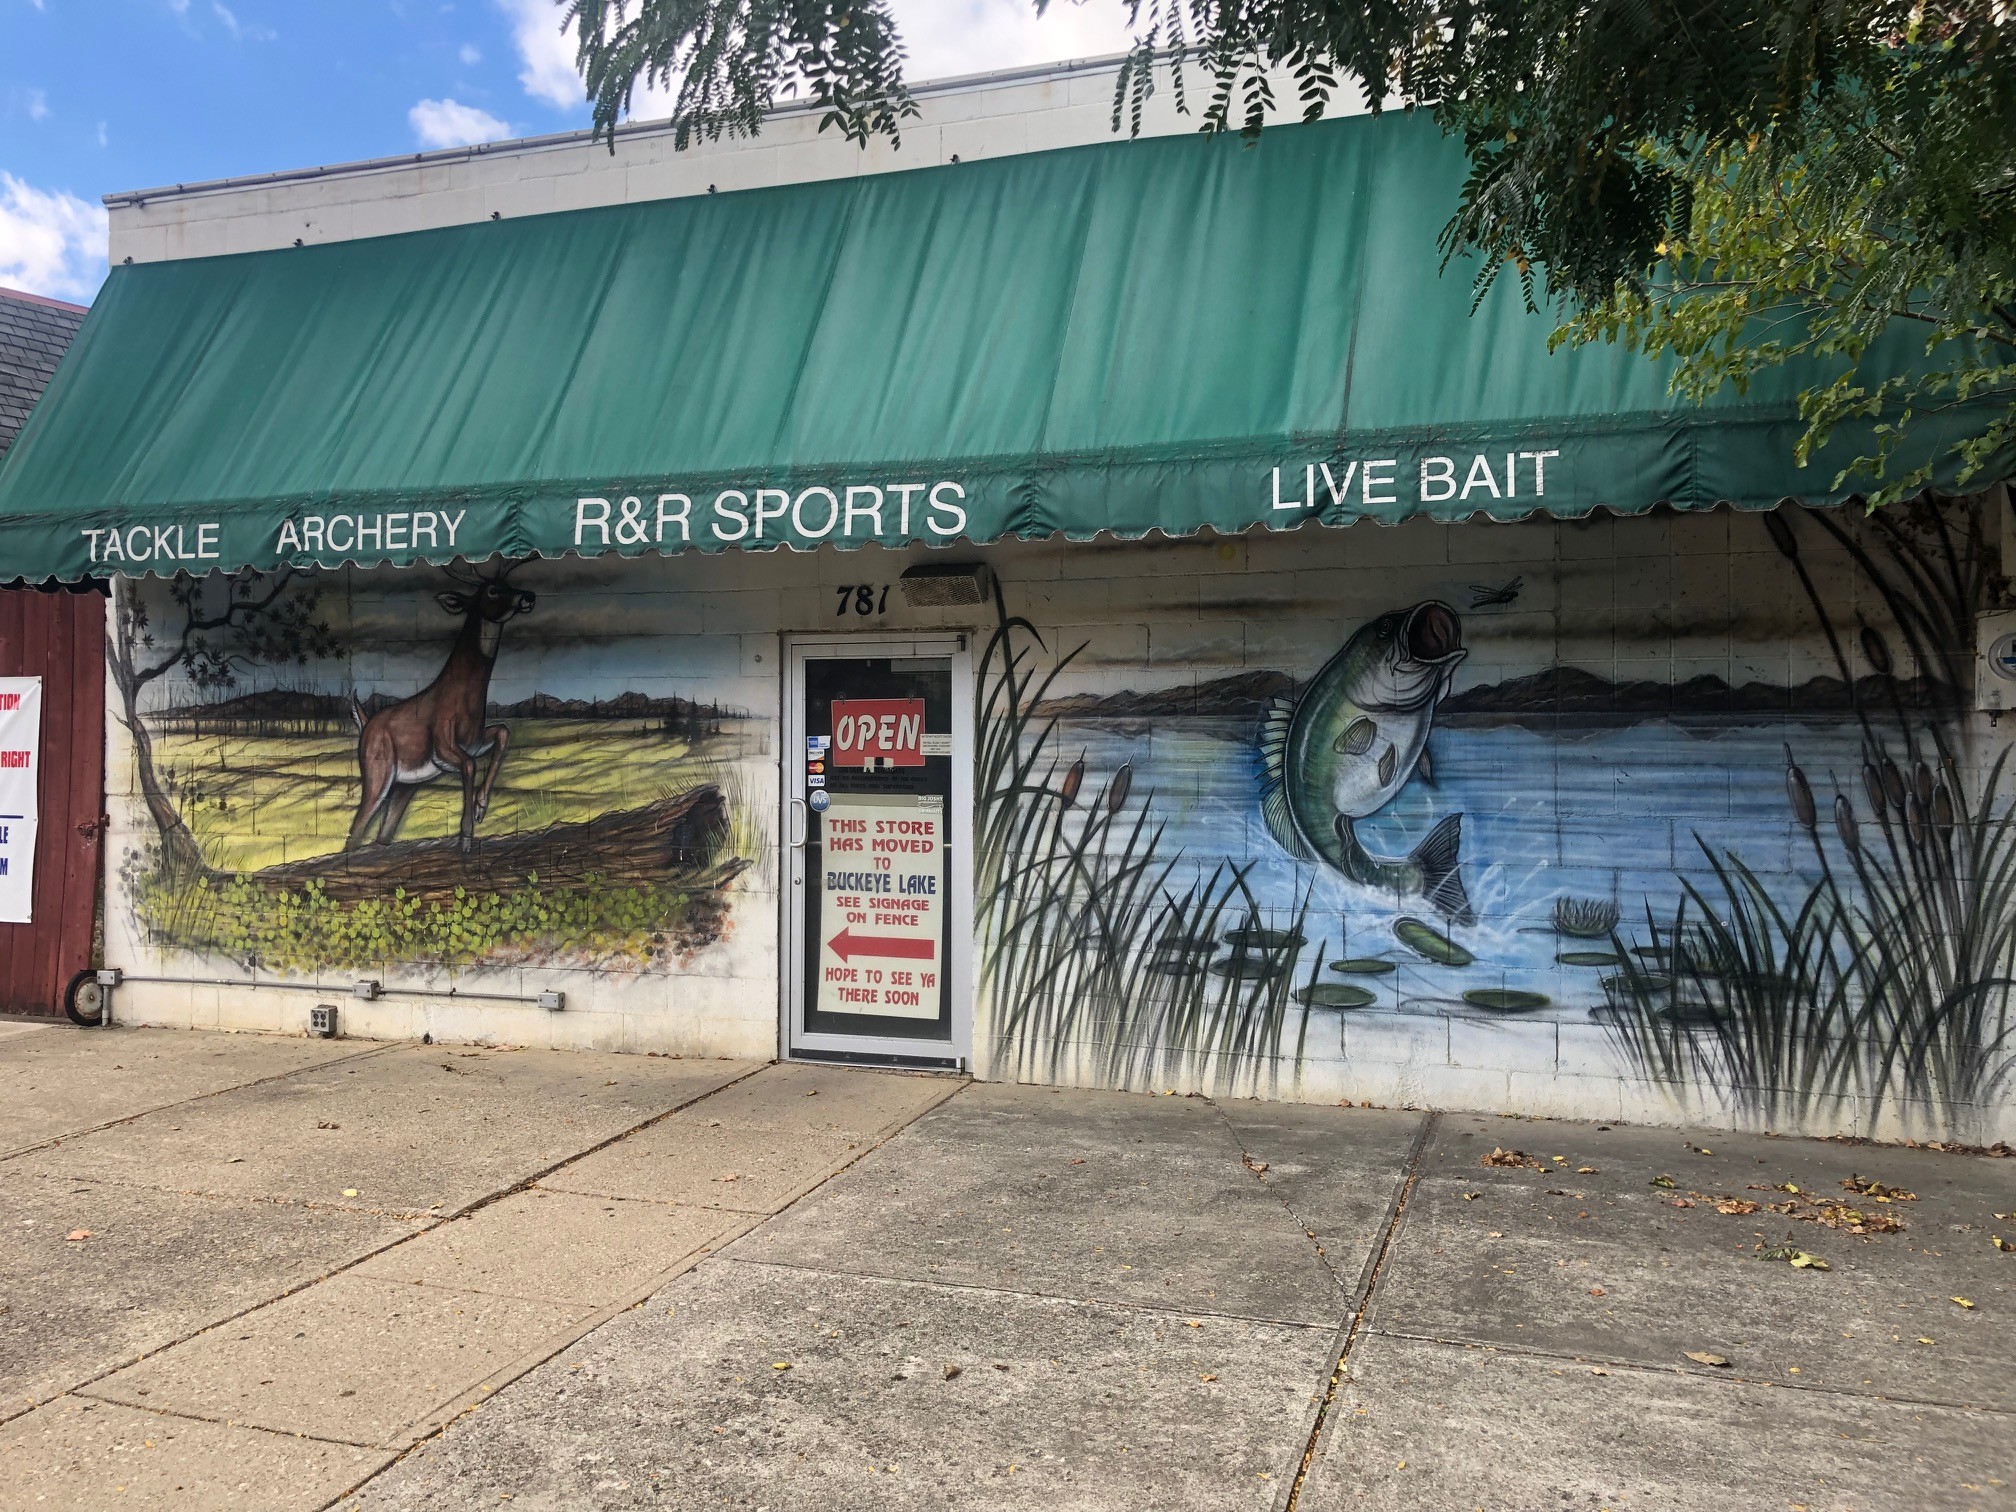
<point x="882" y="904"/>
<point x="20" y="770"/>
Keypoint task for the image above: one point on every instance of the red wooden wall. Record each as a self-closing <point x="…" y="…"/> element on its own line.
<point x="59" y="636"/>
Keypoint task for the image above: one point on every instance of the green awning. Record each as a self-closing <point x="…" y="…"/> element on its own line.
<point x="1133" y="336"/>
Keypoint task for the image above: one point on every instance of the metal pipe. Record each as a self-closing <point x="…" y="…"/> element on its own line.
<point x="328" y="990"/>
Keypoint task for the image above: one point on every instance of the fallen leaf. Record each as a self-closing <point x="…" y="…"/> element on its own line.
<point x="813" y="1093"/>
<point x="1702" y="1357"/>
<point x="1587" y="1171"/>
<point x="2007" y="1217"/>
<point x="325" y="1124"/>
<point x="1737" y="1206"/>
<point x="1257" y="1167"/>
<point x="1665" y="1181"/>
<point x="2004" y="1245"/>
<point x="1679" y="1202"/>
<point x="349" y="1191"/>
<point x="781" y="1365"/>
<point x="1192" y="1323"/>
<point x="1509" y="1158"/>
<point x="1878" y="1190"/>
<point x="1962" y="1302"/>
<point x="953" y="1370"/>
<point x="1597" y="1370"/>
<point x="731" y="1176"/>
<point x="1472" y="1196"/>
<point x="1597" y="1291"/>
<point x="1923" y="1340"/>
<point x="75" y="1235"/>
<point x="1203" y="1377"/>
<point x="1803" y="1261"/>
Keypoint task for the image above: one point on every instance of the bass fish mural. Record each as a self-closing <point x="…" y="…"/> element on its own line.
<point x="1354" y="738"/>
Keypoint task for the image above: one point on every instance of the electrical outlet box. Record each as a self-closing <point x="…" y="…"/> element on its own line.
<point x="1995" y="661"/>
<point x="322" y="1020"/>
<point x="367" y="991"/>
<point x="553" y="1002"/>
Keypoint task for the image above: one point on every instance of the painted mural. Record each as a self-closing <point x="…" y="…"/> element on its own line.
<point x="1773" y="896"/>
<point x="305" y="819"/>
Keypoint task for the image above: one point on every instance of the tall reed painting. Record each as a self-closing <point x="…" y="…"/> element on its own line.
<point x="1787" y="901"/>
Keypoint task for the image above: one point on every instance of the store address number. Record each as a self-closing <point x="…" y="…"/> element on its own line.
<point x="863" y="599"/>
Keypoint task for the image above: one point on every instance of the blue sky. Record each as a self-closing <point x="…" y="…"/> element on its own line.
<point x="104" y="95"/>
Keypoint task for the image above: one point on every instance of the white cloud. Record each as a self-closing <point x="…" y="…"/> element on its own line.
<point x="51" y="243"/>
<point x="945" y="38"/>
<point x="549" y="75"/>
<point x="230" y="21"/>
<point x="449" y="123"/>
<point x="36" y="103"/>
<point x="470" y="55"/>
<point x="104" y="136"/>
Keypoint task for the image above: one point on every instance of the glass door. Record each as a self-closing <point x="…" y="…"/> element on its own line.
<point x="878" y="917"/>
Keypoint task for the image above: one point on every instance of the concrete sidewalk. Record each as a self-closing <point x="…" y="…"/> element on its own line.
<point x="322" y="1274"/>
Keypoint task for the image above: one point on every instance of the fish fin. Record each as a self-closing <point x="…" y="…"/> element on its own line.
<point x="1424" y="767"/>
<point x="1389" y="762"/>
<point x="1357" y="737"/>
<point x="1273" y="780"/>
<point x="1281" y="823"/>
<point x="1439" y="858"/>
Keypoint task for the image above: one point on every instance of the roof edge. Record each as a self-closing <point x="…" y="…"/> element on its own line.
<point x="958" y="84"/>
<point x="24" y="297"/>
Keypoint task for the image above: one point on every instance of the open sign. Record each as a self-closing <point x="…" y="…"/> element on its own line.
<point x="878" y="732"/>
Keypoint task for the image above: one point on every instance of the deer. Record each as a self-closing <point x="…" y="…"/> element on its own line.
<point x="440" y="730"/>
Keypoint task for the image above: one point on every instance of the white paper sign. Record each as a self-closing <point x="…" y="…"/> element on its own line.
<point x="882" y="905"/>
<point x="20" y="767"/>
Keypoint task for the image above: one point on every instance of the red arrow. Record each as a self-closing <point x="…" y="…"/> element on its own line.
<point x="847" y="946"/>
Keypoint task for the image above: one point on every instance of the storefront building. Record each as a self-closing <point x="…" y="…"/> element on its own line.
<point x="1074" y="610"/>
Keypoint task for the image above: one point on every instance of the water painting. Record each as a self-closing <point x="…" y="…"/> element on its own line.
<point x="1771" y="897"/>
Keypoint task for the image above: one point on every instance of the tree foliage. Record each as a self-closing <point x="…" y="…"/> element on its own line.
<point x="1737" y="182"/>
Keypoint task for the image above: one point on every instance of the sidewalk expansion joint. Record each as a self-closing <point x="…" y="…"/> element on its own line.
<point x="182" y="1102"/>
<point x="1062" y="1298"/>
<point x="1719" y="1377"/>
<point x="1368" y="1282"/>
<point x="186" y="1415"/>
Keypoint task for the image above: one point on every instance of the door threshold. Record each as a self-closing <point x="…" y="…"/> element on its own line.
<point x="883" y="1059"/>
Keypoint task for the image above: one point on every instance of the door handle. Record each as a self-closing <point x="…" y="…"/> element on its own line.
<point x="804" y="823"/>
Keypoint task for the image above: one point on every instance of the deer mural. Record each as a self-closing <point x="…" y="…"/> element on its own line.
<point x="440" y="730"/>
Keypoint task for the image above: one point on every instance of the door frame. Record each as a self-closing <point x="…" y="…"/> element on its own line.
<point x="794" y="824"/>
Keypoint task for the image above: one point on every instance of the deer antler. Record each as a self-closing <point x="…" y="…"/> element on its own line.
<point x="468" y="578"/>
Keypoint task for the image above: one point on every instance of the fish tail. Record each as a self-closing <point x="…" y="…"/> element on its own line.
<point x="1439" y="860"/>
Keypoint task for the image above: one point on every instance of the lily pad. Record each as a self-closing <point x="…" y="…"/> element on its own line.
<point x="1504" y="1000"/>
<point x="1430" y="943"/>
<point x="1644" y="981"/>
<point x="1333" y="995"/>
<point x="1363" y="966"/>
<point x="1242" y="967"/>
<point x="1589" y="958"/>
<point x="1247" y="937"/>
<point x="1176" y="966"/>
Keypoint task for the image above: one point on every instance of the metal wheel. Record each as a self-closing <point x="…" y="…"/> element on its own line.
<point x="84" y="999"/>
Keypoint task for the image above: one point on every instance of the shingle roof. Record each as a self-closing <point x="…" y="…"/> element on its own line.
<point x="34" y="334"/>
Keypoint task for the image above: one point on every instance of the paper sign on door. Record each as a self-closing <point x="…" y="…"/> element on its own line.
<point x="20" y="761"/>
<point x="882" y="904"/>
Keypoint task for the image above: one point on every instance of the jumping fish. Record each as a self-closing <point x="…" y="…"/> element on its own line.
<point x="1359" y="731"/>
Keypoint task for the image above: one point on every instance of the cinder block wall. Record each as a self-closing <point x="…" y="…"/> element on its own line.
<point x="1615" y="734"/>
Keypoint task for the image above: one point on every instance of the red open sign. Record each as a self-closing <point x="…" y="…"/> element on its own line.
<point x="882" y="732"/>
